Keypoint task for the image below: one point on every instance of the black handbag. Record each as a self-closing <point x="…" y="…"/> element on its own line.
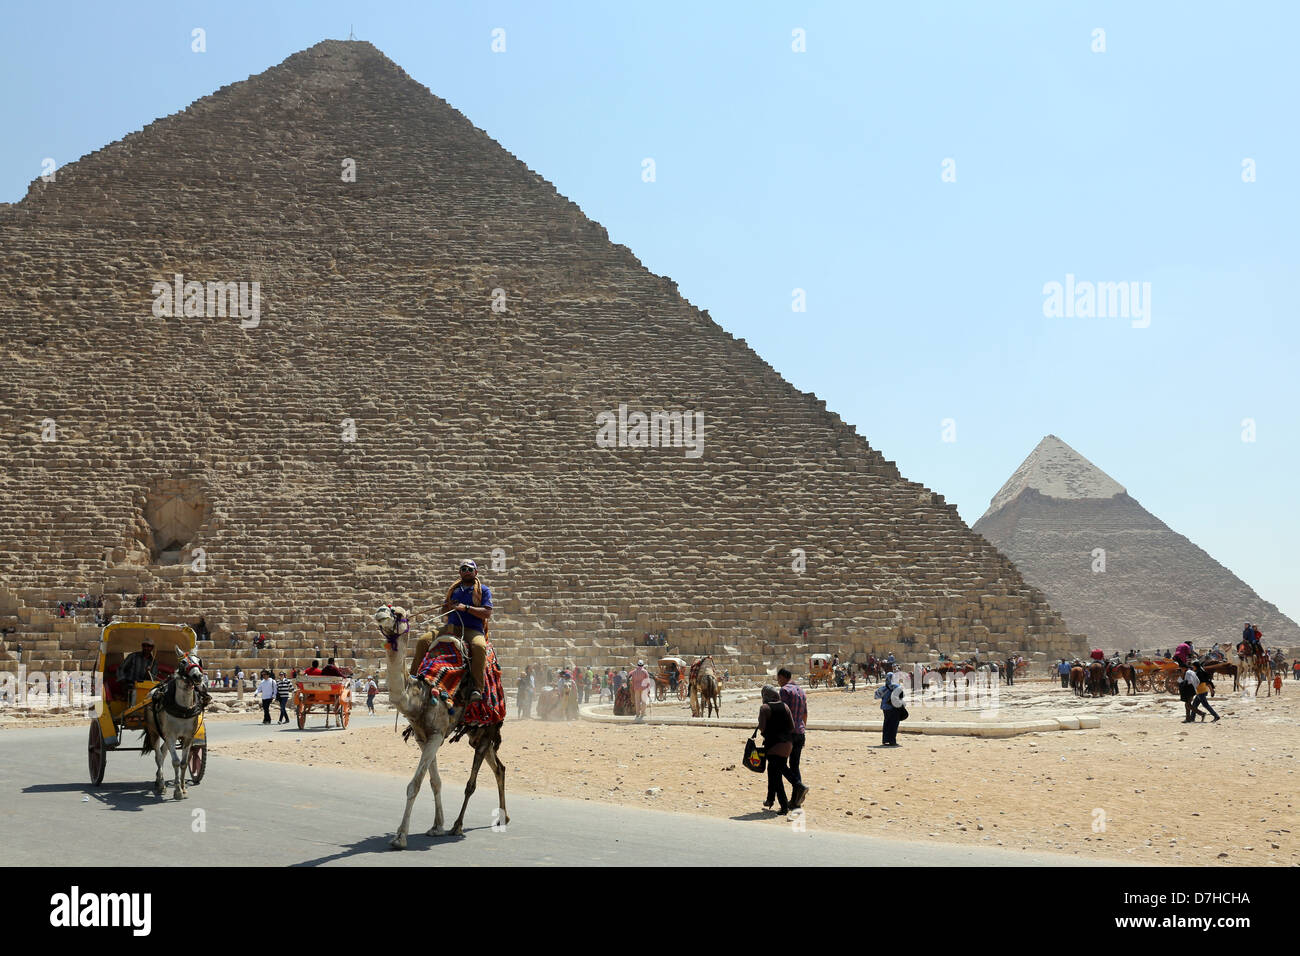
<point x="902" y="711"/>
<point x="755" y="756"/>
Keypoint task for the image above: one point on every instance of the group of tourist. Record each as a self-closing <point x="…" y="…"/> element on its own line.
<point x="84" y="603"/>
<point x="1194" y="690"/>
<point x="95" y="603"/>
<point x="658" y="639"/>
<point x="782" y="720"/>
<point x="273" y="687"/>
<point x="591" y="683"/>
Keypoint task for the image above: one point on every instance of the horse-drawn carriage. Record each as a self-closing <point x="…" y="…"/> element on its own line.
<point x="121" y="705"/>
<point x="1157" y="675"/>
<point x="332" y="695"/>
<point x="671" y="678"/>
<point x="820" y="669"/>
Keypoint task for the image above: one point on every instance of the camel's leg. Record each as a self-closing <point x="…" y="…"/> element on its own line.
<point x="479" y="753"/>
<point x="435" y="781"/>
<point x="427" y="755"/>
<point x="498" y="768"/>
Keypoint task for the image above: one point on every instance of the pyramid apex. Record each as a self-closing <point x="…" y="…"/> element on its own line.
<point x="1056" y="470"/>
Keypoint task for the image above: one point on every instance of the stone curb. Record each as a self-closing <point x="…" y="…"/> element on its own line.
<point x="602" y="713"/>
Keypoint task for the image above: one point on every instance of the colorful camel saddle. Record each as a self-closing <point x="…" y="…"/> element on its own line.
<point x="445" y="666"/>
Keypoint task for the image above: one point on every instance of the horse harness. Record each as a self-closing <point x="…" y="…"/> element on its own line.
<point x="164" y="698"/>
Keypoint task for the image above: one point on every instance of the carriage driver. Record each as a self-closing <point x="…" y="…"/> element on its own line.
<point x="470" y="602"/>
<point x="139" y="665"/>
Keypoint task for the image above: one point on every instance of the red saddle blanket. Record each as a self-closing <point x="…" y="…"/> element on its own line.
<point x="444" y="668"/>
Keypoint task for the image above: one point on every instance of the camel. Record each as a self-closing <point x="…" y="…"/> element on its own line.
<point x="559" y="702"/>
<point x="705" y="689"/>
<point x="431" y="722"/>
<point x="171" y="719"/>
<point x="1257" y="665"/>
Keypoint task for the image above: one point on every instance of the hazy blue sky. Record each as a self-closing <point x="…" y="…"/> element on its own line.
<point x="822" y="171"/>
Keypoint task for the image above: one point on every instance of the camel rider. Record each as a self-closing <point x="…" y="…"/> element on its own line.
<point x="470" y="604"/>
<point x="1183" y="653"/>
<point x="139" y="665"/>
<point x="1250" y="640"/>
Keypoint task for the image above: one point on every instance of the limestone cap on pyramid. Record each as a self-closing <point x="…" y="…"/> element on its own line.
<point x="1056" y="470"/>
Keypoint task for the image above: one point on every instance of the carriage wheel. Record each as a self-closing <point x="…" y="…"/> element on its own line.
<point x="198" y="762"/>
<point x="302" y="718"/>
<point x="660" y="692"/>
<point x="1171" y="684"/>
<point x="345" y="712"/>
<point x="97" y="753"/>
<point x="681" y="690"/>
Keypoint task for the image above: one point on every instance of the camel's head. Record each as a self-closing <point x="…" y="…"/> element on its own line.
<point x="393" y="623"/>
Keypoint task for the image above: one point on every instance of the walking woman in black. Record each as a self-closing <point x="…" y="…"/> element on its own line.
<point x="777" y="727"/>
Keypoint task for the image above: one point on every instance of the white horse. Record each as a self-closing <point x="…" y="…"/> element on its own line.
<point x="171" y="719"/>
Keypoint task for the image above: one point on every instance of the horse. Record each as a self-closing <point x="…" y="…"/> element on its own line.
<point x="871" y="669"/>
<point x="1078" y="680"/>
<point x="1223" y="667"/>
<point x="1097" y="683"/>
<point x="1129" y="675"/>
<point x="172" y="715"/>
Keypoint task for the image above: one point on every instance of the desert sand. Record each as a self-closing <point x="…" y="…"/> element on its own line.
<point x="1144" y="788"/>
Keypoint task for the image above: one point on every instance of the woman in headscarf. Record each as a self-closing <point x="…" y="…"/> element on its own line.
<point x="776" y="725"/>
<point x="885" y="694"/>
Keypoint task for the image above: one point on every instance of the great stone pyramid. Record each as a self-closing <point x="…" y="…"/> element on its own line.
<point x="1155" y="588"/>
<point x="438" y="345"/>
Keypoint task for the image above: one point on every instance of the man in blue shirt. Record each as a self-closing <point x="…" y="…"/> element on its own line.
<point x="1063" y="671"/>
<point x="470" y="604"/>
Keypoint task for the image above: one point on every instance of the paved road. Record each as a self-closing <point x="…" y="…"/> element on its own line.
<point x="263" y="813"/>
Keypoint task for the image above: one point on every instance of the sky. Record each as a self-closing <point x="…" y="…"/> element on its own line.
<point x="922" y="171"/>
